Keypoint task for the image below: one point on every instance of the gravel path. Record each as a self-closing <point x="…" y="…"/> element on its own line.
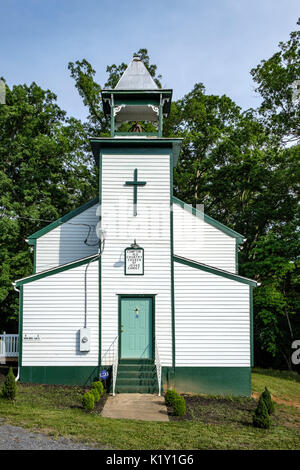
<point x="16" y="438"/>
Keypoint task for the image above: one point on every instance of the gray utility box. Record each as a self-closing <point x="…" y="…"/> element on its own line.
<point x="84" y="339"/>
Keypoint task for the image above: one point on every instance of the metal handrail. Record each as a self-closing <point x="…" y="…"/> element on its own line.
<point x="111" y="356"/>
<point x="115" y="363"/>
<point x="158" y="367"/>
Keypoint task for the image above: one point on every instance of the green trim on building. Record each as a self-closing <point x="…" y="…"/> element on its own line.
<point x="172" y="264"/>
<point x="62" y="220"/>
<point x="209" y="220"/>
<point x="236" y="256"/>
<point x="136" y="296"/>
<point x="59" y="269"/>
<point x="234" y="381"/>
<point x="212" y="270"/>
<point x="143" y="96"/>
<point x="32" y="242"/>
<point x="100" y="269"/>
<point x="135" y="146"/>
<point x="59" y="375"/>
<point x="251" y="327"/>
<point x="20" y="326"/>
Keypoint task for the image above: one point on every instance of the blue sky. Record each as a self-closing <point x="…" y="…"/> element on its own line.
<point x="215" y="42"/>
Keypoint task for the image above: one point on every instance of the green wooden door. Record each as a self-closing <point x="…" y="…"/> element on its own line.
<point x="136" y="328"/>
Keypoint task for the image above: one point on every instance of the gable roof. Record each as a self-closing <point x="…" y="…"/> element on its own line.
<point x="65" y="218"/>
<point x="217" y="271"/>
<point x="136" y="77"/>
<point x="232" y="233"/>
<point x="55" y="270"/>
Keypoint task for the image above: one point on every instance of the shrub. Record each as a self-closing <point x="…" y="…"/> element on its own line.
<point x="170" y="396"/>
<point x="268" y="401"/>
<point x="88" y="401"/>
<point x="9" y="389"/>
<point x="99" y="386"/>
<point x="261" y="418"/>
<point x="179" y="406"/>
<point x="96" y="394"/>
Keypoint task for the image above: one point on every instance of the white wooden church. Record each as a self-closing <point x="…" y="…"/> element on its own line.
<point x="135" y="282"/>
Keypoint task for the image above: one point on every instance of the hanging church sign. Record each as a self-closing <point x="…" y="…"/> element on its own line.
<point x="134" y="260"/>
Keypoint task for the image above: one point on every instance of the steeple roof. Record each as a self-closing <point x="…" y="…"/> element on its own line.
<point x="136" y="77"/>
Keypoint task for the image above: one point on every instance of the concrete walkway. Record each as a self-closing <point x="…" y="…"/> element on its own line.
<point x="142" y="406"/>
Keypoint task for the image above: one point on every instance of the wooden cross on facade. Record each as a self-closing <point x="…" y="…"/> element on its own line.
<point x="135" y="183"/>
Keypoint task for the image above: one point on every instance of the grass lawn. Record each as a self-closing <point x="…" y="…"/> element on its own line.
<point x="211" y="422"/>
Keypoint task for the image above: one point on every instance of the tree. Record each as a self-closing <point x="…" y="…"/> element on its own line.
<point x="278" y="83"/>
<point x="44" y="173"/>
<point x="261" y="418"/>
<point x="9" y="389"/>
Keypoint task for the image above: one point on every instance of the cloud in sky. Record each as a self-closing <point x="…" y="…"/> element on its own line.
<point x="215" y="42"/>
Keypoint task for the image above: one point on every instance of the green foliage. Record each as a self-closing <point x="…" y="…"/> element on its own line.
<point x="9" y="389"/>
<point x="230" y="164"/>
<point x="261" y="418"/>
<point x="179" y="406"/>
<point x="98" y="386"/>
<point x="44" y="173"/>
<point x="96" y="394"/>
<point x="88" y="401"/>
<point x="278" y="84"/>
<point x="170" y="396"/>
<point x="266" y="395"/>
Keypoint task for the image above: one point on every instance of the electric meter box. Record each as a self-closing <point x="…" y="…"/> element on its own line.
<point x="84" y="339"/>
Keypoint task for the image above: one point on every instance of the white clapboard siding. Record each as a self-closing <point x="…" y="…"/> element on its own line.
<point x="53" y="308"/>
<point x="65" y="243"/>
<point x="212" y="319"/>
<point x="150" y="228"/>
<point x="198" y="240"/>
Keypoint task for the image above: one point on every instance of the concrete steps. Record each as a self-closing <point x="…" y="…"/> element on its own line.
<point x="136" y="376"/>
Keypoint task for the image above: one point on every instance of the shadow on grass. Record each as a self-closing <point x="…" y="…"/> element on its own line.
<point x="279" y="374"/>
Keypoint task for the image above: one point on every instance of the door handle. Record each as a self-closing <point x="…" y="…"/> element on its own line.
<point x="122" y="329"/>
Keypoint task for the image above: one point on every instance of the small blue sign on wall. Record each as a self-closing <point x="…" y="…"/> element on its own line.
<point x="104" y="374"/>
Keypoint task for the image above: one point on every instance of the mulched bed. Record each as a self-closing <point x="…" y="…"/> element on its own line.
<point x="211" y="410"/>
<point x="100" y="404"/>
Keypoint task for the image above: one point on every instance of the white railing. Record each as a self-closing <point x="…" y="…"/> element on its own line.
<point x="111" y="356"/>
<point x="158" y="367"/>
<point x="9" y="345"/>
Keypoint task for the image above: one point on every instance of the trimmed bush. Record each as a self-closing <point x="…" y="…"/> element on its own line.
<point x="88" y="401"/>
<point x="9" y="389"/>
<point x="96" y="394"/>
<point x="170" y="396"/>
<point x="268" y="401"/>
<point x="261" y="418"/>
<point x="99" y="386"/>
<point x="179" y="406"/>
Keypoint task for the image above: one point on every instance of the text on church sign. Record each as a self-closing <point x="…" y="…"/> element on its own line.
<point x="134" y="260"/>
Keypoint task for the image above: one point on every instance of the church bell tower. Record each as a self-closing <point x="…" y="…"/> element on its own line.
<point x="135" y="194"/>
